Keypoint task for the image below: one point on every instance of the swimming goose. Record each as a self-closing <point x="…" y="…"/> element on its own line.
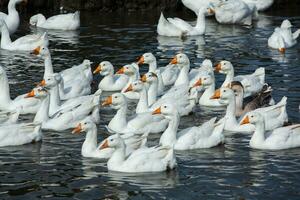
<point x="154" y="159"/>
<point x="132" y="71"/>
<point x="178" y="27"/>
<point x="63" y="120"/>
<point x="70" y="21"/>
<point x="91" y="149"/>
<point x="110" y="82"/>
<point x="275" y="115"/>
<point x="28" y="106"/>
<point x="207" y="135"/>
<point x="74" y="81"/>
<point x="261" y="99"/>
<point x="120" y="123"/>
<point x="283" y="37"/>
<point x="234" y="12"/>
<point x="12" y="19"/>
<point x="280" y="138"/>
<point x="25" y="43"/>
<point x="252" y="83"/>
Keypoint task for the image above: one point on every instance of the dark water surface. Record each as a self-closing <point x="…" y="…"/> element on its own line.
<point x="55" y="169"/>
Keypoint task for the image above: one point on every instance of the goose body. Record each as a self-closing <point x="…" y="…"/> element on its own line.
<point x="196" y="5"/>
<point x="111" y="82"/>
<point x="154" y="159"/>
<point x="70" y="21"/>
<point x="280" y="138"/>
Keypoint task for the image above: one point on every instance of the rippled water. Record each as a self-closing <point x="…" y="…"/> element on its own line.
<point x="55" y="168"/>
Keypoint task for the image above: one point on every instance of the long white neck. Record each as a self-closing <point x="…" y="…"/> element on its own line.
<point x="258" y="136"/>
<point x="48" y="66"/>
<point x="117" y="158"/>
<point x="200" y="25"/>
<point x="96" y="115"/>
<point x="229" y="78"/>
<point x="230" y="111"/>
<point x="54" y="100"/>
<point x="90" y="143"/>
<point x="152" y="93"/>
<point x="5" y="94"/>
<point x="120" y="118"/>
<point x="168" y="138"/>
<point x="42" y="114"/>
<point x="209" y="91"/>
<point x="5" y="38"/>
<point x="183" y="77"/>
<point x="142" y="105"/>
<point x="153" y="66"/>
<point x="13" y="19"/>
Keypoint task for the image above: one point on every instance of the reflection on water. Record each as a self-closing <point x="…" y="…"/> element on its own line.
<point x="55" y="168"/>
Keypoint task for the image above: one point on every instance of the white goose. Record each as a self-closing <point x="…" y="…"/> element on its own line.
<point x="196" y="5"/>
<point x="12" y="19"/>
<point x="154" y="159"/>
<point x="234" y="12"/>
<point x="178" y="27"/>
<point x="90" y="148"/>
<point x="142" y="122"/>
<point x="110" y="82"/>
<point x="74" y="81"/>
<point x="207" y="135"/>
<point x="25" y="43"/>
<point x="280" y="138"/>
<point x="132" y="71"/>
<point x="275" y="116"/>
<point x="19" y="134"/>
<point x="7" y="104"/>
<point x="252" y="83"/>
<point x="283" y="37"/>
<point x="65" y="120"/>
<point x="70" y="21"/>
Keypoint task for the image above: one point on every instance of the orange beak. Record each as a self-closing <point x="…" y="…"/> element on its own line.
<point x="77" y="129"/>
<point x="104" y="145"/>
<point x="144" y="78"/>
<point x="218" y="67"/>
<point x="216" y="95"/>
<point x="129" y="88"/>
<point x="157" y="111"/>
<point x="198" y="83"/>
<point x="245" y="120"/>
<point x="107" y="101"/>
<point x="42" y="83"/>
<point x="211" y="11"/>
<point x="36" y="51"/>
<point x="30" y="94"/>
<point x="97" y="70"/>
<point x="141" y="60"/>
<point x="282" y="50"/>
<point x="174" y="61"/>
<point x="121" y="71"/>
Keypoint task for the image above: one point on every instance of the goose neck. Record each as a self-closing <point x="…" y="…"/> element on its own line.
<point x="152" y="93"/>
<point x="229" y="78"/>
<point x="54" y="100"/>
<point x="169" y="137"/>
<point x="183" y="77"/>
<point x="5" y="38"/>
<point x="200" y="24"/>
<point x="117" y="157"/>
<point x="5" y="99"/>
<point x="230" y="111"/>
<point x="152" y="66"/>
<point x="48" y="66"/>
<point x="42" y="113"/>
<point x="90" y="142"/>
<point x="259" y="133"/>
<point x="142" y="105"/>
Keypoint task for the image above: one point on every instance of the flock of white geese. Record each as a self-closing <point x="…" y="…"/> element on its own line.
<point x="63" y="100"/>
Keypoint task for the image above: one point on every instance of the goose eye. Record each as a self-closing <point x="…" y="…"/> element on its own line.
<point x="85" y="123"/>
<point x="251" y="116"/>
<point x="116" y="97"/>
<point x="165" y="106"/>
<point x="48" y="79"/>
<point x="224" y="90"/>
<point x="111" y="140"/>
<point x="104" y="64"/>
<point x="204" y="78"/>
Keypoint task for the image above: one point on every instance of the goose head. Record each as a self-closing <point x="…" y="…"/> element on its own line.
<point x="135" y="86"/>
<point x="104" y="68"/>
<point x="180" y="60"/>
<point x="252" y="118"/>
<point x="225" y="95"/>
<point x="286" y="24"/>
<point x="35" y="18"/>
<point x="150" y="78"/>
<point x="84" y="126"/>
<point x="42" y="51"/>
<point x="86" y="63"/>
<point x="37" y="92"/>
<point x="113" y="141"/>
<point x="146" y="58"/>
<point x="205" y="81"/>
<point x="224" y="67"/>
<point x="129" y="70"/>
<point x="207" y="65"/>
<point x="116" y="100"/>
<point x="167" y="110"/>
<point x="51" y="81"/>
<point x="237" y="89"/>
<point x="193" y="94"/>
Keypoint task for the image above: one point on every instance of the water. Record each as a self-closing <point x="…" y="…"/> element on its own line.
<point x="55" y="169"/>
